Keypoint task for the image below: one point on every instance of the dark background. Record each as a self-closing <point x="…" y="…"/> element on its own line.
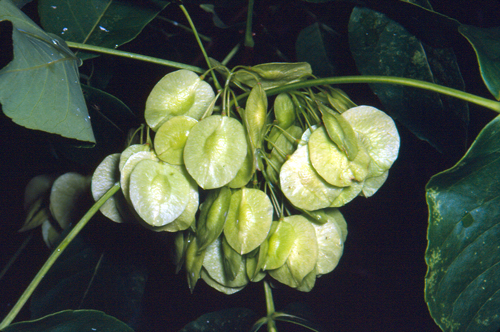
<point x="378" y="285"/>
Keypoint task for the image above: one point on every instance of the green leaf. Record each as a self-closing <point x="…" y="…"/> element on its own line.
<point x="39" y="89"/>
<point x="105" y="23"/>
<point x="81" y="276"/>
<point x="72" y="320"/>
<point x="462" y="287"/>
<point x="486" y="44"/>
<point x="381" y="46"/>
<point x="229" y="320"/>
<point x="316" y="45"/>
<point x="111" y="120"/>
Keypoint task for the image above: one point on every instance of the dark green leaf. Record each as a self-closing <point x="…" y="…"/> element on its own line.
<point x="106" y="23"/>
<point x="84" y="278"/>
<point x="486" y="43"/>
<point x="72" y="320"/>
<point x="429" y="26"/>
<point x="380" y="46"/>
<point x="316" y="45"/>
<point x="462" y="287"/>
<point x="228" y="320"/>
<point x="39" y="89"/>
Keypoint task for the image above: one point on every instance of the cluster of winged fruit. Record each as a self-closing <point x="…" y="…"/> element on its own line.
<point x="250" y="190"/>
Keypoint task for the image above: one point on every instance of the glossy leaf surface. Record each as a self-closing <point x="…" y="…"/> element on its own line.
<point x="486" y="43"/>
<point x="106" y="23"/>
<point x="231" y="320"/>
<point x="44" y="61"/>
<point x="381" y="46"/>
<point x="316" y="45"/>
<point x="303" y="256"/>
<point x="463" y="279"/>
<point x="72" y="320"/>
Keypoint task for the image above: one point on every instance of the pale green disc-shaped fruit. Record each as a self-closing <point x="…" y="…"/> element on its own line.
<point x="249" y="219"/>
<point x="129" y="151"/>
<point x="332" y="164"/>
<point x="215" y="150"/>
<point x="69" y="192"/>
<point x="245" y="172"/>
<point x="158" y="191"/>
<point x="129" y="166"/>
<point x="303" y="186"/>
<point x="308" y="282"/>
<point x="337" y="217"/>
<point x="305" y="136"/>
<point x="171" y="138"/>
<point x="105" y="176"/>
<point x="379" y="133"/>
<point x="188" y="216"/>
<point x="348" y="194"/>
<point x="284" y="275"/>
<point x="215" y="285"/>
<point x="181" y="92"/>
<point x="38" y="188"/>
<point x="280" y="244"/>
<point x="50" y="235"/>
<point x="35" y="201"/>
<point x="371" y="185"/>
<point x="303" y="256"/>
<point x="214" y="265"/>
<point x="330" y="246"/>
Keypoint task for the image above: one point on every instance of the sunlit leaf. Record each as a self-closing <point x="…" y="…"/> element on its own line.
<point x="462" y="287"/>
<point x="106" y="23"/>
<point x="39" y="88"/>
